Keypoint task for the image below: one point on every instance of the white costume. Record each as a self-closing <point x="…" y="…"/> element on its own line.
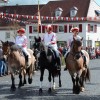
<point x="50" y="39"/>
<point x="22" y="42"/>
<point x="70" y="40"/>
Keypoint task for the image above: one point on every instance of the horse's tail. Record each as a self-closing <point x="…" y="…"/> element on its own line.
<point x="87" y="75"/>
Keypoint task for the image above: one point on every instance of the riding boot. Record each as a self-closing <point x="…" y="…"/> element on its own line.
<point x="65" y="62"/>
<point x="65" y="66"/>
<point x="27" y="61"/>
<point x="58" y="63"/>
<point x="84" y="58"/>
<point x="85" y="61"/>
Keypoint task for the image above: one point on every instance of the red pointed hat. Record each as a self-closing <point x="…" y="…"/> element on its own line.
<point x="74" y="29"/>
<point x="21" y="30"/>
<point x="49" y="27"/>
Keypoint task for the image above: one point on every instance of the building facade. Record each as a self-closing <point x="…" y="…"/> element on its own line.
<point x="70" y="13"/>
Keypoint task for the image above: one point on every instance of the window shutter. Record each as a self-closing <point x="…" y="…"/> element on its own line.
<point x="43" y="29"/>
<point x="55" y="28"/>
<point x="88" y="27"/>
<point x="70" y="26"/>
<point x="65" y="28"/>
<point x="95" y="28"/>
<point x="30" y="29"/>
<point x="39" y="28"/>
<point x="80" y="27"/>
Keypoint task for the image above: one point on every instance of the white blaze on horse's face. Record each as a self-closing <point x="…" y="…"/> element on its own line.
<point x="38" y="55"/>
<point x="46" y="49"/>
<point x="80" y="48"/>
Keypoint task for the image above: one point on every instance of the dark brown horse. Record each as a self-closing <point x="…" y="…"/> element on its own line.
<point x="77" y="69"/>
<point x="47" y="61"/>
<point x="16" y="61"/>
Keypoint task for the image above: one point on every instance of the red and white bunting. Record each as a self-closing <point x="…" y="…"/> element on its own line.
<point x="50" y="18"/>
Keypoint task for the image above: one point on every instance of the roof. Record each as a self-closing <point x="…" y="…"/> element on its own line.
<point x="18" y="9"/>
<point x="66" y="5"/>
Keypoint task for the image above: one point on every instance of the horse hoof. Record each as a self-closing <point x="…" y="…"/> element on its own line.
<point x="40" y="91"/>
<point x="53" y="87"/>
<point x="77" y="90"/>
<point x="49" y="90"/>
<point x="82" y="89"/>
<point x="13" y="88"/>
<point x="25" y="82"/>
<point x="29" y="80"/>
<point x="60" y="85"/>
<point x="20" y="85"/>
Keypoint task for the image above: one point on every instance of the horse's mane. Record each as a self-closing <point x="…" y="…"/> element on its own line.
<point x="10" y="43"/>
<point x="13" y="46"/>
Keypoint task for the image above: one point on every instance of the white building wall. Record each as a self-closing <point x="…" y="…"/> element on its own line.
<point x="60" y="36"/>
<point x="92" y="7"/>
<point x="93" y="36"/>
<point x="3" y="36"/>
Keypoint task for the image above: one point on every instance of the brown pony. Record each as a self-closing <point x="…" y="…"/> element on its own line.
<point x="16" y="61"/>
<point x="75" y="64"/>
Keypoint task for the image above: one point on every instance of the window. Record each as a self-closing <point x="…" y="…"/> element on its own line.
<point x="92" y="28"/>
<point x="61" y="28"/>
<point x="30" y="29"/>
<point x="35" y="29"/>
<point x="7" y="35"/>
<point x="58" y="12"/>
<point x="76" y="25"/>
<point x="97" y="12"/>
<point x="73" y="11"/>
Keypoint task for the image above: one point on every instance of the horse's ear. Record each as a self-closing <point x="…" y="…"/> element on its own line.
<point x="7" y="42"/>
<point x="35" y="38"/>
<point x="81" y="38"/>
<point x="39" y="39"/>
<point x="1" y="41"/>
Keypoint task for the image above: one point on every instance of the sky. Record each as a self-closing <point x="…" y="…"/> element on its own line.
<point x="32" y="2"/>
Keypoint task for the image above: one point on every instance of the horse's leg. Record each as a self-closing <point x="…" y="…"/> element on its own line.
<point x="30" y="73"/>
<point x="24" y="74"/>
<point x="73" y="80"/>
<point x="20" y="80"/>
<point x="49" y="78"/>
<point x="22" y="77"/>
<point x="82" y="80"/>
<point x="60" y="78"/>
<point x="54" y="85"/>
<point x="77" y="84"/>
<point x="41" y="79"/>
<point x="13" y="88"/>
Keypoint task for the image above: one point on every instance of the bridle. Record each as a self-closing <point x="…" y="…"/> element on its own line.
<point x="75" y="52"/>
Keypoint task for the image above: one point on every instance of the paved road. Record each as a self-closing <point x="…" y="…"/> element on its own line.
<point x="30" y="92"/>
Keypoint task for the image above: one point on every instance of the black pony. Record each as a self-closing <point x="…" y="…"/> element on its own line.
<point x="47" y="61"/>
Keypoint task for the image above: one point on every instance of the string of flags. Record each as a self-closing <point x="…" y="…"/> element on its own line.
<point x="17" y="17"/>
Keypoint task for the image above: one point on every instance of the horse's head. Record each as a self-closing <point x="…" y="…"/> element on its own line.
<point x="77" y="45"/>
<point x="6" y="47"/>
<point x="37" y="43"/>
